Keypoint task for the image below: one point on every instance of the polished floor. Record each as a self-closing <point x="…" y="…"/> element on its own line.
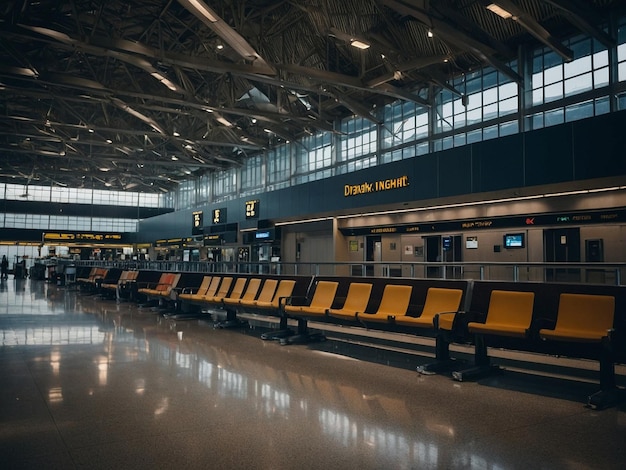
<point x="91" y="383"/>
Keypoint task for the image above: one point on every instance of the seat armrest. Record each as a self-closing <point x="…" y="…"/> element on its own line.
<point x="540" y="323"/>
<point x="296" y="300"/>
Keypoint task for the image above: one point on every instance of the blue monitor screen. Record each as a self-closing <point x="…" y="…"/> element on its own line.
<point x="514" y="240"/>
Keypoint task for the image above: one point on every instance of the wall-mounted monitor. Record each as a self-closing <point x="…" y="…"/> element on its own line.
<point x="514" y="240"/>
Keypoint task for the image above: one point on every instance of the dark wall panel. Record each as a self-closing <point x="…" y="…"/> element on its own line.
<point x="599" y="146"/>
<point x="498" y="164"/>
<point x="424" y="184"/>
<point x="455" y="171"/>
<point x="549" y="155"/>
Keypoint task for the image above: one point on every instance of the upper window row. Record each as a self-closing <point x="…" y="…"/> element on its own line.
<point x="77" y="195"/>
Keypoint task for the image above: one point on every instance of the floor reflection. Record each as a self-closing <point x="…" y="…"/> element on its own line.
<point x="92" y="355"/>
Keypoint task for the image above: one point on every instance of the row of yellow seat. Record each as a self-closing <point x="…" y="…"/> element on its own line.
<point x="476" y="312"/>
<point x="243" y="292"/>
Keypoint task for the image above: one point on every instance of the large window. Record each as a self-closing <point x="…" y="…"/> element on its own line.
<point x="404" y="122"/>
<point x="480" y="98"/>
<point x="279" y="166"/>
<point x="560" y="90"/>
<point x="78" y="196"/>
<point x="225" y="184"/>
<point x="72" y="196"/>
<point x="314" y="158"/>
<point x="252" y="180"/>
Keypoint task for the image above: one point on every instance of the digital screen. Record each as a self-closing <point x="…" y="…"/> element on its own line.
<point x="198" y="224"/>
<point x="262" y="235"/>
<point x="252" y="209"/>
<point x="219" y="216"/>
<point x="514" y="240"/>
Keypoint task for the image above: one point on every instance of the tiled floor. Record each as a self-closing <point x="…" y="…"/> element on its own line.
<point x="96" y="384"/>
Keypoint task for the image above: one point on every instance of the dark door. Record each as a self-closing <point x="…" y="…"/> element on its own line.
<point x="562" y="245"/>
<point x="373" y="252"/>
<point x="453" y="253"/>
<point x="433" y="255"/>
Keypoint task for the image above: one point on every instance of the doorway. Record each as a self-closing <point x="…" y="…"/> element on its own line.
<point x="444" y="249"/>
<point x="562" y="245"/>
<point x="373" y="252"/>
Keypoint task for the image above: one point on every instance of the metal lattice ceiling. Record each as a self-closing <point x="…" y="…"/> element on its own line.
<point x="143" y="94"/>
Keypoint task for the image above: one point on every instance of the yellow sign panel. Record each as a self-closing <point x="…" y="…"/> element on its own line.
<point x="72" y="237"/>
<point x="375" y="186"/>
<point x="252" y="209"/>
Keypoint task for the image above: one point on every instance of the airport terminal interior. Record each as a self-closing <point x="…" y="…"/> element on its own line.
<point x="295" y="234"/>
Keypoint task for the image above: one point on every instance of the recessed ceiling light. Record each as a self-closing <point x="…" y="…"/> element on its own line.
<point x="498" y="10"/>
<point x="359" y="44"/>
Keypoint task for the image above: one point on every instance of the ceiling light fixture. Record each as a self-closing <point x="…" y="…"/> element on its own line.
<point x="498" y="10"/>
<point x="174" y="157"/>
<point x="176" y="134"/>
<point x="359" y="44"/>
<point x="430" y="33"/>
<point x="220" y="47"/>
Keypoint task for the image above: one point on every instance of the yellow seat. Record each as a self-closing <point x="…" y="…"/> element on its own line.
<point x="248" y="295"/>
<point x="210" y="291"/>
<point x="438" y="300"/>
<point x="582" y="318"/>
<point x="284" y="290"/>
<point x="266" y="295"/>
<point x="356" y="301"/>
<point x="322" y="300"/>
<point x="395" y="302"/>
<point x="235" y="293"/>
<point x="509" y="314"/>
<point x="221" y="292"/>
<point x="201" y="290"/>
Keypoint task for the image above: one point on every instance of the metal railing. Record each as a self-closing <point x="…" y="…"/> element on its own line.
<point x="594" y="273"/>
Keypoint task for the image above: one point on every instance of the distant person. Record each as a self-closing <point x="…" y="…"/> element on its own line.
<point x="4" y="267"/>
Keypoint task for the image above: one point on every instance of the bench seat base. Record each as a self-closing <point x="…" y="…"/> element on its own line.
<point x="476" y="372"/>
<point x="606" y="398"/>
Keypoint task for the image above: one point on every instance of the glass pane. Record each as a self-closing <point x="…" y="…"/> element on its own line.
<point x="553" y="74"/>
<point x="578" y="67"/>
<point x="578" y="84"/>
<point x="554" y="92"/>
<point x="554" y="117"/>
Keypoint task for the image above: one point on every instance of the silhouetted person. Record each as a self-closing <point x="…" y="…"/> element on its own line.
<point x="4" y="267"/>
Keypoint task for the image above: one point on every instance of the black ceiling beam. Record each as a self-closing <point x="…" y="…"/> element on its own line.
<point x="530" y="24"/>
<point x="449" y="33"/>
<point x="580" y="15"/>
